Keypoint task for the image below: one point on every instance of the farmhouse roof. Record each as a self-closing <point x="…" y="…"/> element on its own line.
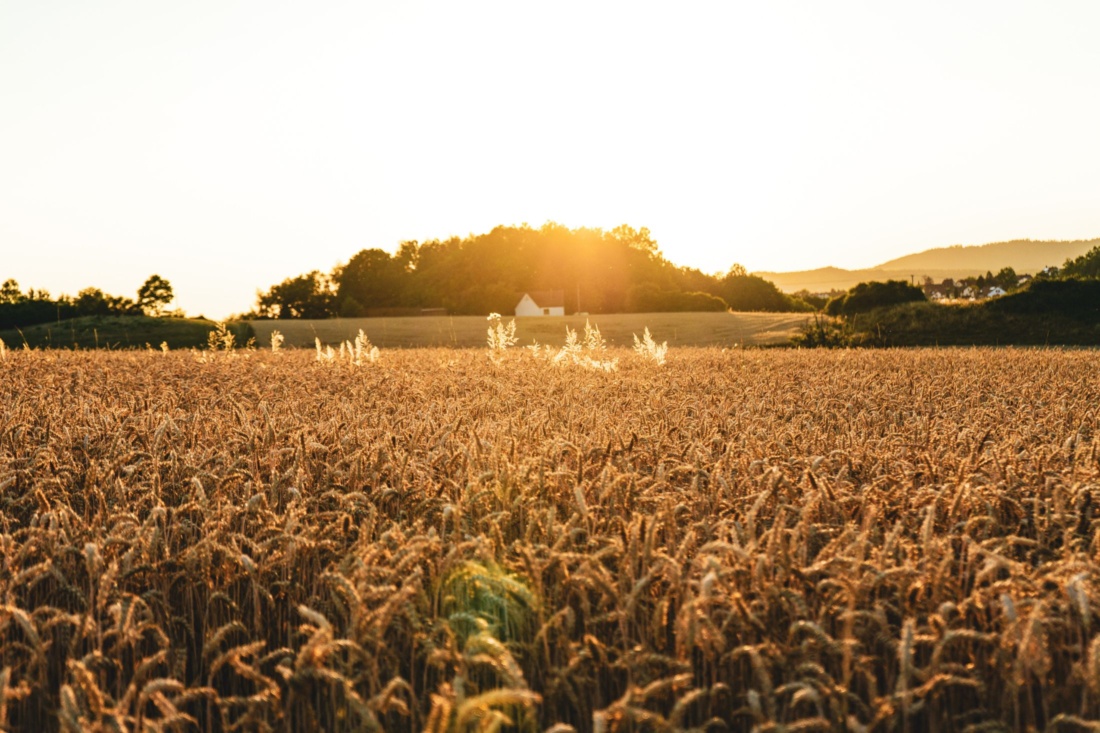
<point x="547" y="298"/>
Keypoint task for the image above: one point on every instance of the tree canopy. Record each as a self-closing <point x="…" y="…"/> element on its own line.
<point x="621" y="270"/>
<point x="305" y="296"/>
<point x="18" y="308"/>
<point x="870" y="295"/>
<point x="1085" y="266"/>
<point x="154" y="294"/>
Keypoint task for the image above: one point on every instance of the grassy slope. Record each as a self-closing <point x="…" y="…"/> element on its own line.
<point x="679" y="329"/>
<point x="117" y="332"/>
<point x="931" y="324"/>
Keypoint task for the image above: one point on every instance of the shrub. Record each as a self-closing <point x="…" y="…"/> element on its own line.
<point x="649" y="299"/>
<point x="823" y="332"/>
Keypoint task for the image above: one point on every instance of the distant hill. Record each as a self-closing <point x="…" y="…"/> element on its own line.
<point x="1022" y="255"/>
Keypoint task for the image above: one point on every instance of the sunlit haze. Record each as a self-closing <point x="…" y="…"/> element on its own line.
<point x="230" y="145"/>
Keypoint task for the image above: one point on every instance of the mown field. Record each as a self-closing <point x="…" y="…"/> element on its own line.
<point x="678" y="329"/>
<point x="735" y="540"/>
<point x="119" y="332"/>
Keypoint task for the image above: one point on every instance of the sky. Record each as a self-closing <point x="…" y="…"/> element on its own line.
<point x="227" y="146"/>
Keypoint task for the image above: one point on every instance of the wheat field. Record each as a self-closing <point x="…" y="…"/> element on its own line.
<point x="446" y="540"/>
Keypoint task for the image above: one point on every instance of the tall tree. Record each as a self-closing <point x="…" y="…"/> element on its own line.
<point x="372" y="279"/>
<point x="10" y="292"/>
<point x="94" y="302"/>
<point x="305" y="296"/>
<point x="745" y="292"/>
<point x="154" y="294"/>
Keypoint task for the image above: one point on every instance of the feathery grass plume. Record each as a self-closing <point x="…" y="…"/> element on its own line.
<point x="593" y="339"/>
<point x="595" y="348"/>
<point x="600" y="365"/>
<point x="164" y="347"/>
<point x="536" y="349"/>
<point x="587" y="353"/>
<point x="221" y="338"/>
<point x="500" y="337"/>
<point x="365" y="353"/>
<point x="3" y="350"/>
<point x="647" y="348"/>
<point x="277" y="340"/>
<point x="325" y="354"/>
<point x="571" y="350"/>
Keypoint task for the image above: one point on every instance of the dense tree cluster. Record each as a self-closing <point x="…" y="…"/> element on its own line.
<point x="1057" y="305"/>
<point x="1077" y="298"/>
<point x="870" y="295"/>
<point x="598" y="271"/>
<point x="1087" y="266"/>
<point x="19" y="309"/>
<point x="1006" y="279"/>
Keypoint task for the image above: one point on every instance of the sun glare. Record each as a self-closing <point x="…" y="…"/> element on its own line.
<point x="277" y="138"/>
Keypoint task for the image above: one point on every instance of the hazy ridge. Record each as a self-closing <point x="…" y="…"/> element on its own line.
<point x="1022" y="255"/>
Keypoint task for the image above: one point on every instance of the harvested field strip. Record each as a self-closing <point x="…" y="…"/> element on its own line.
<point x="679" y="329"/>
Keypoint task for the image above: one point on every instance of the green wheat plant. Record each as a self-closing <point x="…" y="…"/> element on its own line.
<point x="478" y="590"/>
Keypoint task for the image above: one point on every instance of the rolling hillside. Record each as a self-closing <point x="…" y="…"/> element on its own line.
<point x="1023" y="255"/>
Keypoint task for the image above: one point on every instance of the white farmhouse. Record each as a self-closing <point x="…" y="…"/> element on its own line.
<point x="542" y="303"/>
<point x="995" y="291"/>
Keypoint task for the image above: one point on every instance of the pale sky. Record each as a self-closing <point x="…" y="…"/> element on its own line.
<point x="229" y="145"/>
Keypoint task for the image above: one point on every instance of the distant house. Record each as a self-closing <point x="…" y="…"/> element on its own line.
<point x="542" y="303"/>
<point x="939" y="292"/>
<point x="995" y="292"/>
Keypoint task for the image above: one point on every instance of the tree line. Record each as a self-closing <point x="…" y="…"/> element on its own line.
<point x="1071" y="290"/>
<point x="616" y="271"/>
<point x="19" y="309"/>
